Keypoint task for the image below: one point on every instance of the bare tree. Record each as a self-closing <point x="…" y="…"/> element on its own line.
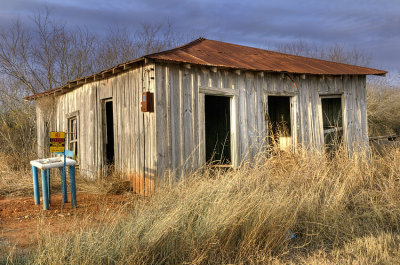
<point x="336" y="53"/>
<point x="152" y="38"/>
<point x="17" y="124"/>
<point x="120" y="45"/>
<point x="52" y="54"/>
<point x="117" y="46"/>
<point x="49" y="54"/>
<point x="46" y="57"/>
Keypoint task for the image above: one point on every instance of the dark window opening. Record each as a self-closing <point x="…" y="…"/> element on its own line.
<point x="218" y="130"/>
<point x="332" y="122"/>
<point x="279" y="120"/>
<point x="73" y="134"/>
<point x="109" y="132"/>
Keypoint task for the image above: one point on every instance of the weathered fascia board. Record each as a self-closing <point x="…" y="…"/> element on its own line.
<point x="214" y="91"/>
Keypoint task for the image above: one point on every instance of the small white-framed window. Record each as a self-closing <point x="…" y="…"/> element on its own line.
<point x="73" y="132"/>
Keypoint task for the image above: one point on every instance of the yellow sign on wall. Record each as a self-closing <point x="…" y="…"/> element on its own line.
<point x="57" y="142"/>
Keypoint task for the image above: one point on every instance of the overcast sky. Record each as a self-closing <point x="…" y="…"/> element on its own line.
<point x="372" y="26"/>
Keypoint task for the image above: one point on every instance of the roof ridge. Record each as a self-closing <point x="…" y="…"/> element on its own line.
<point x="288" y="54"/>
<point x="196" y="41"/>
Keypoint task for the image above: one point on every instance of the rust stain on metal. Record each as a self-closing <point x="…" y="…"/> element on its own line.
<point x="222" y="54"/>
<point x="226" y="55"/>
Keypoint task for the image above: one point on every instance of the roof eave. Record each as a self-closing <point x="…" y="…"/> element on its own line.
<point x="377" y="73"/>
<point x="87" y="79"/>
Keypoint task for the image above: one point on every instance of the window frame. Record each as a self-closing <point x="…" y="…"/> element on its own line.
<point x="342" y="128"/>
<point x="73" y="116"/>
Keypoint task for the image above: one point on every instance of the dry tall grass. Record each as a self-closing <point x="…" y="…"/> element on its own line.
<point x="17" y="180"/>
<point x="383" y="107"/>
<point x="287" y="209"/>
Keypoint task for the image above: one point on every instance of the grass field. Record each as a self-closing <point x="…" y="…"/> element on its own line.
<point x="289" y="209"/>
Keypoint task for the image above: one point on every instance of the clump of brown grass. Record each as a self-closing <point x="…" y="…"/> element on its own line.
<point x="17" y="181"/>
<point x="14" y="181"/>
<point x="383" y="106"/>
<point x="113" y="182"/>
<point x="336" y="208"/>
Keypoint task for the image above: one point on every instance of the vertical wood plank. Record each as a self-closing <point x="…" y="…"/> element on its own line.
<point x="235" y="140"/>
<point x="194" y="117"/>
<point x="187" y="124"/>
<point x="202" y="130"/>
<point x="363" y="110"/>
<point x="244" y="140"/>
<point x="161" y="119"/>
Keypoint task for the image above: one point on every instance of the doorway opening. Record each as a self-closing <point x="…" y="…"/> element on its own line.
<point x="108" y="130"/>
<point x="332" y="122"/>
<point x="218" y="129"/>
<point x="279" y="121"/>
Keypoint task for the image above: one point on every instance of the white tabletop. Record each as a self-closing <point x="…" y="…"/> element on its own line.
<point x="52" y="162"/>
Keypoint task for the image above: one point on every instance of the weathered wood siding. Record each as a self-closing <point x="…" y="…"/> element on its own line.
<point x="170" y="141"/>
<point x="134" y="132"/>
<point x="180" y="111"/>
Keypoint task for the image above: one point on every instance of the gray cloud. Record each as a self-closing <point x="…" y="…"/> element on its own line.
<point x="371" y="26"/>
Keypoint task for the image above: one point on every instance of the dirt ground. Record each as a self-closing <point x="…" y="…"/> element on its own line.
<point x="21" y="221"/>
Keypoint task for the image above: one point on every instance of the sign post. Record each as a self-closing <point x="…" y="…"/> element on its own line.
<point x="57" y="145"/>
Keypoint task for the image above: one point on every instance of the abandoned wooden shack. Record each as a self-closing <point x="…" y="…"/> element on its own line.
<point x="173" y="111"/>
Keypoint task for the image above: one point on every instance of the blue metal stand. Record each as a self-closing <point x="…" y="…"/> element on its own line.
<point x="64" y="192"/>
<point x="37" y="164"/>
<point x="72" y="185"/>
<point x="63" y="185"/>
<point x="36" y="193"/>
<point x="49" y="185"/>
<point x="45" y="188"/>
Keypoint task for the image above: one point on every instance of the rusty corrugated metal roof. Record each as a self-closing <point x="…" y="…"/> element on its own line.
<point x="221" y="54"/>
